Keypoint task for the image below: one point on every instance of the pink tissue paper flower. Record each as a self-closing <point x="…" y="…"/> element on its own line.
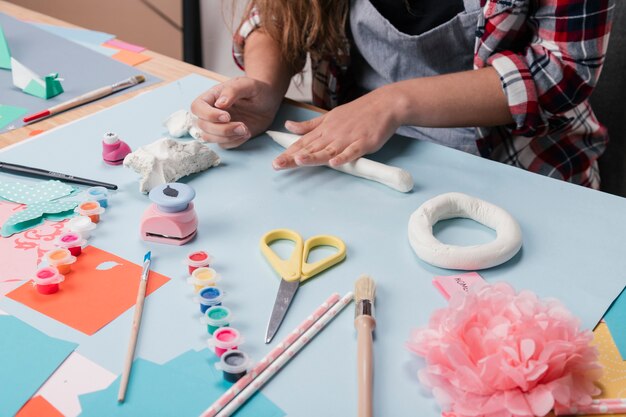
<point x="495" y="353"/>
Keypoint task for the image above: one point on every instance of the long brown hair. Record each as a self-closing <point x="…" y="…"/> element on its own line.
<point x="301" y="26"/>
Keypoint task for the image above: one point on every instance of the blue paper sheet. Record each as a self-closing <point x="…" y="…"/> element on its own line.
<point x="77" y="35"/>
<point x="186" y="386"/>
<point x="615" y="318"/>
<point x="27" y="358"/>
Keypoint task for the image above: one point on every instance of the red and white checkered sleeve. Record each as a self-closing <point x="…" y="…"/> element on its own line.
<point x="556" y="60"/>
<point x="248" y="26"/>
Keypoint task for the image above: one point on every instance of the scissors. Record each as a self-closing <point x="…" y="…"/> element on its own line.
<point x="296" y="269"/>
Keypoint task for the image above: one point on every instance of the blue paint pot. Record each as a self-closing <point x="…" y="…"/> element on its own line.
<point x="209" y="297"/>
<point x="99" y="194"/>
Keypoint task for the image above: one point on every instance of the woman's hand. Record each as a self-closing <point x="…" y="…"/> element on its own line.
<point x="343" y="134"/>
<point x="234" y="111"/>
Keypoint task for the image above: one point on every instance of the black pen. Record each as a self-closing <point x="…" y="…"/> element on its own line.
<point x="21" y="170"/>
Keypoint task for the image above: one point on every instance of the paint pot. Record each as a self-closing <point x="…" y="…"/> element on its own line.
<point x="202" y="278"/>
<point x="99" y="194"/>
<point x="209" y="297"/>
<point x="235" y="364"/>
<point x="81" y="225"/>
<point x="61" y="259"/>
<point x="47" y="280"/>
<point x="216" y="317"/>
<point x="198" y="259"/>
<point x="90" y="209"/>
<point x="72" y="241"/>
<point x="224" y="339"/>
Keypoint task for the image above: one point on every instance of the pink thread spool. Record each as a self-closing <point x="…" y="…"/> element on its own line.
<point x="61" y="259"/>
<point x="71" y="241"/>
<point x="114" y="150"/>
<point x="47" y="280"/>
<point x="225" y="339"/>
<point x="198" y="259"/>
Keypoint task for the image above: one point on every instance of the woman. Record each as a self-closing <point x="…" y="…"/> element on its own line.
<point x="505" y="79"/>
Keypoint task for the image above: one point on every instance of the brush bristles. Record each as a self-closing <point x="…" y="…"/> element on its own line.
<point x="364" y="289"/>
<point x="138" y="79"/>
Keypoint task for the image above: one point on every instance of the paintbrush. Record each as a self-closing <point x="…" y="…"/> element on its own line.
<point x="86" y="98"/>
<point x="364" y="322"/>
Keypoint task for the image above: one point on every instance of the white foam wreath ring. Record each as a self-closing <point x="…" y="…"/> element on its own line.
<point x="507" y="243"/>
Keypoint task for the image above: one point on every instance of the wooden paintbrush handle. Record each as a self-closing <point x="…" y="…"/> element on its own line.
<point x="365" y="369"/>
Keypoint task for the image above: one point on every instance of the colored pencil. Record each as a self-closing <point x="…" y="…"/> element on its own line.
<point x="132" y="343"/>
<point x="42" y="173"/>
<point x="270" y="357"/>
<point x="271" y="370"/>
<point x="86" y="98"/>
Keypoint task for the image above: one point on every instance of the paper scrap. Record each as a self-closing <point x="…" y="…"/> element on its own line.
<point x="75" y="34"/>
<point x="35" y="214"/>
<point x="130" y="58"/>
<point x="103" y="50"/>
<point x="23" y="193"/>
<point x="118" y="44"/>
<point x="9" y="114"/>
<point x="184" y="386"/>
<point x="89" y="298"/>
<point x="38" y="407"/>
<point x="28" y="358"/>
<point x="612" y="380"/>
<point x="76" y="376"/>
<point x="615" y="318"/>
<point x="5" y="53"/>
<point x="31" y="83"/>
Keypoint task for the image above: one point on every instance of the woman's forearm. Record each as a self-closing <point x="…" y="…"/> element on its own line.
<point x="263" y="62"/>
<point x="470" y="98"/>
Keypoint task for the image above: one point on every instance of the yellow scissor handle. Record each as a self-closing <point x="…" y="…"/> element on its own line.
<point x="310" y="270"/>
<point x="289" y="269"/>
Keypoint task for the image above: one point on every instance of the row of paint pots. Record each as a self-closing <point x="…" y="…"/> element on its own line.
<point x="224" y="340"/>
<point x="70" y="243"/>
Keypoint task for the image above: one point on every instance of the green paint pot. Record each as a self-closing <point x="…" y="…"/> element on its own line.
<point x="216" y="317"/>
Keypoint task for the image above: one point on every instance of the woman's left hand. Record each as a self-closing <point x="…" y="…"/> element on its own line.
<point x="343" y="134"/>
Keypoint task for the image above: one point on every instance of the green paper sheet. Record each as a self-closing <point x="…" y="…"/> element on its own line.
<point x="23" y="193"/>
<point x="9" y="114"/>
<point x="52" y="87"/>
<point x="5" y="53"/>
<point x="28" y="359"/>
<point x="35" y="214"/>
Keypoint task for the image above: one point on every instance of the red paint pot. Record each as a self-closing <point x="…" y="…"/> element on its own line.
<point x="225" y="339"/>
<point x="71" y="241"/>
<point x="198" y="259"/>
<point x="47" y="280"/>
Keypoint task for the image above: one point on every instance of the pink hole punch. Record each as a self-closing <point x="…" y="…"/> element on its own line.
<point x="114" y="150"/>
<point x="171" y="217"/>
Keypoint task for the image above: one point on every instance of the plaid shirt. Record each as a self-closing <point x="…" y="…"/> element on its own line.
<point x="548" y="53"/>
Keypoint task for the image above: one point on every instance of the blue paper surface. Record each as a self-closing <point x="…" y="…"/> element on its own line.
<point x="186" y="386"/>
<point x="615" y="318"/>
<point x="77" y="35"/>
<point x="240" y="200"/>
<point x="27" y="358"/>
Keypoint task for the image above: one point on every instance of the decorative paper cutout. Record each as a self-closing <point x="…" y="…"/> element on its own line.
<point x="5" y="53"/>
<point x="9" y="114"/>
<point x="612" y="380"/>
<point x="76" y="376"/>
<point x="35" y="214"/>
<point x="118" y="44"/>
<point x="90" y="298"/>
<point x="615" y="318"/>
<point x="38" y="407"/>
<point x="105" y="266"/>
<point x="184" y="386"/>
<point x="33" y="84"/>
<point x="27" y="194"/>
<point x="130" y="58"/>
<point x="28" y="358"/>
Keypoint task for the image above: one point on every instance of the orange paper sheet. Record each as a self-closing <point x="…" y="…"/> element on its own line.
<point x="612" y="381"/>
<point x="130" y="58"/>
<point x="100" y="287"/>
<point x="38" y="407"/>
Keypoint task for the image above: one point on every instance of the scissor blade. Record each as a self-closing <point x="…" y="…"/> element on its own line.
<point x="286" y="292"/>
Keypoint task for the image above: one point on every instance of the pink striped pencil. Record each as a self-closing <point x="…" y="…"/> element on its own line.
<point x="291" y="351"/>
<point x="599" y="406"/>
<point x="270" y="357"/>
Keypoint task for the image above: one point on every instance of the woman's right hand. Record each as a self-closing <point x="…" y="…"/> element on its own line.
<point x="234" y="111"/>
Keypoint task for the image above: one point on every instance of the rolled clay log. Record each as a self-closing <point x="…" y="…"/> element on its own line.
<point x="393" y="177"/>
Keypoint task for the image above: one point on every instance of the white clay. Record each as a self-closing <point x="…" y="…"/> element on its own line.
<point x="392" y="177"/>
<point x="167" y="160"/>
<point x="451" y="205"/>
<point x="179" y="123"/>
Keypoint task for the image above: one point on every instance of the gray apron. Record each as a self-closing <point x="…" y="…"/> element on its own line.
<point x="385" y="55"/>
